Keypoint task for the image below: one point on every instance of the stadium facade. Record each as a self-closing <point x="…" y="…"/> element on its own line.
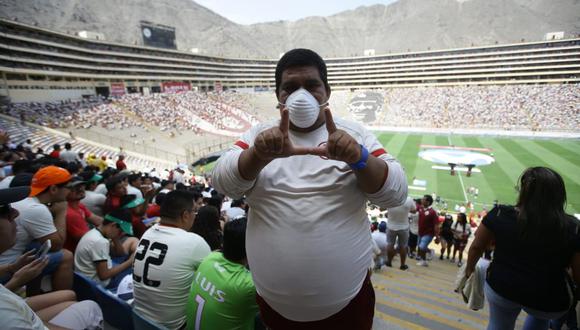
<point x="40" y="65"/>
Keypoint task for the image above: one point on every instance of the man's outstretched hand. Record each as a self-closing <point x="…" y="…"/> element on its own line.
<point x="275" y="143"/>
<point x="340" y="145"/>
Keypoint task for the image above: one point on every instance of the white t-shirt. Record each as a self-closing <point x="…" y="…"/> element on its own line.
<point x="414" y="223"/>
<point x="16" y="314"/>
<point x="33" y="222"/>
<point x="5" y="183"/>
<point x="177" y="254"/>
<point x="380" y="239"/>
<point x="69" y="156"/>
<point x="307" y="216"/>
<point x="234" y="212"/>
<point x="399" y="216"/>
<point x="459" y="231"/>
<point x="134" y="191"/>
<point x="94" y="202"/>
<point x="101" y="189"/>
<point x="92" y="247"/>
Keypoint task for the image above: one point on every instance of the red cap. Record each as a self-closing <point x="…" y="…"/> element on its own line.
<point x="48" y="176"/>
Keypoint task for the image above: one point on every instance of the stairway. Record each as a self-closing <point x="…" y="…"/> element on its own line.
<point x="423" y="298"/>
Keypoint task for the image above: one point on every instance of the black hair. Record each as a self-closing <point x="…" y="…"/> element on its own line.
<point x="21" y="166"/>
<point x="238" y="202"/>
<point x="67" y="146"/>
<point x="215" y="201"/>
<point x="134" y="177"/>
<point x="429" y="199"/>
<point x="112" y="181"/>
<point x="235" y="239"/>
<point x="175" y="203"/>
<point x="207" y="225"/>
<point x="196" y="195"/>
<point x="541" y="203"/>
<point x="180" y="186"/>
<point x="301" y="57"/>
<point x="160" y="198"/>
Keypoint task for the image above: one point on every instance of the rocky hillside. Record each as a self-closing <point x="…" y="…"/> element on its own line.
<point x="404" y="25"/>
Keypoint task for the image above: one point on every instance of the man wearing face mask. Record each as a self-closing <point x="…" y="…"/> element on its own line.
<point x="307" y="178"/>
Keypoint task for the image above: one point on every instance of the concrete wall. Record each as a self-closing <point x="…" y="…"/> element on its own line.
<point x="47" y="95"/>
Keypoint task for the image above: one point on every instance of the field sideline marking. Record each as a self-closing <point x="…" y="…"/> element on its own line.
<point x="459" y="174"/>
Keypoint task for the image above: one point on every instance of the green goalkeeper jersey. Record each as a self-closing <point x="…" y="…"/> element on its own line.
<point x="222" y="296"/>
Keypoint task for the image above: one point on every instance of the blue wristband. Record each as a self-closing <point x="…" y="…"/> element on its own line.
<point x="362" y="162"/>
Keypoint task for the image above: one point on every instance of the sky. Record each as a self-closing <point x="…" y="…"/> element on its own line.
<point x="259" y="11"/>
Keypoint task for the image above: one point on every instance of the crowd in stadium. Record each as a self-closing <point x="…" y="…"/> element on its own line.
<point x="182" y="254"/>
<point x="509" y="107"/>
<point x="180" y="112"/>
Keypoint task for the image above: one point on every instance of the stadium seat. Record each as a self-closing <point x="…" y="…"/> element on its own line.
<point x="116" y="312"/>
<point x="84" y="287"/>
<point x="142" y="323"/>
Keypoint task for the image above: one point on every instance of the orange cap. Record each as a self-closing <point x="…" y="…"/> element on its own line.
<point x="46" y="177"/>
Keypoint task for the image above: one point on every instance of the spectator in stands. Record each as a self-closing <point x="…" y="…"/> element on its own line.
<point x="446" y="235"/>
<point x="116" y="189"/>
<point x="93" y="257"/>
<point x="296" y="196"/>
<point x="53" y="310"/>
<point x="38" y="223"/>
<point x="535" y="242"/>
<point x="237" y="209"/>
<point x="154" y="209"/>
<point x="78" y="216"/>
<point x="138" y="208"/>
<point x="20" y="166"/>
<point x="207" y="225"/>
<point x="197" y="201"/>
<point x="68" y="155"/>
<point x="94" y="201"/>
<point x="398" y="231"/>
<point x="55" y="153"/>
<point x="161" y="288"/>
<point x="120" y="164"/>
<point x="134" y="187"/>
<point x="231" y="303"/>
<point x="379" y="235"/>
<point x="428" y="228"/>
<point x="461" y="233"/>
<point x="108" y="173"/>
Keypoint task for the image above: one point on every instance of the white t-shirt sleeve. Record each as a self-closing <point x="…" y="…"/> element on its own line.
<point x="394" y="190"/>
<point x="37" y="221"/>
<point x="100" y="251"/>
<point x="200" y="250"/>
<point x="226" y="176"/>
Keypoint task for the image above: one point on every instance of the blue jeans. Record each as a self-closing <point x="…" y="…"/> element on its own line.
<point x="424" y="242"/>
<point x="503" y="313"/>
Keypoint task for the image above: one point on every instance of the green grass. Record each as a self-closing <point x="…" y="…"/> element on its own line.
<point x="496" y="181"/>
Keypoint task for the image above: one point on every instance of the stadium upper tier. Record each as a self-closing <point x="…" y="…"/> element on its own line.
<point x="36" y="58"/>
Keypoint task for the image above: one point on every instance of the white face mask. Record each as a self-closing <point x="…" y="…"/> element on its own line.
<point x="303" y="108"/>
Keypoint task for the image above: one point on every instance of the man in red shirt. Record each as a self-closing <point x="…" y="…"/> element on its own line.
<point x="428" y="227"/>
<point x="55" y="152"/>
<point x="121" y="163"/>
<point x="78" y="215"/>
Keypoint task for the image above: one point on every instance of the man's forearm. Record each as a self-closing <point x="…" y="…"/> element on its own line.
<point x="373" y="176"/>
<point x="249" y="165"/>
<point x="60" y="224"/>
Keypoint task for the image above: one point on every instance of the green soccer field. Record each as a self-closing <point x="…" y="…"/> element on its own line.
<point x="496" y="181"/>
